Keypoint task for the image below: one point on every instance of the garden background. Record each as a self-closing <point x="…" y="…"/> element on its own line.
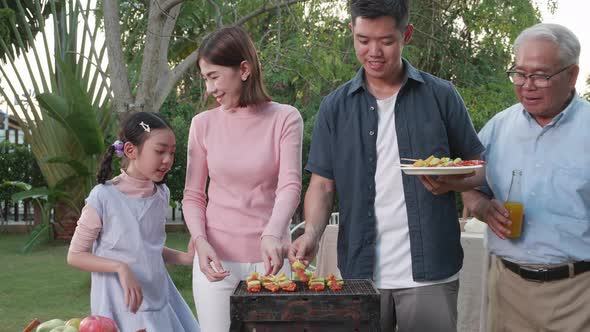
<point x="70" y="69"/>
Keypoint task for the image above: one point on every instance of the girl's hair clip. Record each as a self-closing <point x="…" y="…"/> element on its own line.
<point x="146" y="127"/>
<point x="118" y="145"/>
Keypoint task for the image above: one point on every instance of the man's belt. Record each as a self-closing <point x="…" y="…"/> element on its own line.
<point x="550" y="273"/>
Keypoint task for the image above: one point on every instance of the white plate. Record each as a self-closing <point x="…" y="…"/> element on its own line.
<point x="410" y="170"/>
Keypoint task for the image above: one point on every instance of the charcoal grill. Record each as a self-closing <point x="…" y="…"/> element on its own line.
<point x="354" y="308"/>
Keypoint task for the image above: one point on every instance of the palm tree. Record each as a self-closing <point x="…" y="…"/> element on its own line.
<point x="64" y="111"/>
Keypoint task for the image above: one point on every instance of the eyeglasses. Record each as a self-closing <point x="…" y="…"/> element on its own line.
<point x="539" y="80"/>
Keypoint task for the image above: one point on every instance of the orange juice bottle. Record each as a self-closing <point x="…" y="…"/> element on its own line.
<point x="514" y="205"/>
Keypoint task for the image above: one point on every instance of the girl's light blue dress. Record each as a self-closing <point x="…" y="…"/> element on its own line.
<point x="133" y="231"/>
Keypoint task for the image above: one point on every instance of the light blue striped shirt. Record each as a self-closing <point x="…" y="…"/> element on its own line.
<point x="555" y="164"/>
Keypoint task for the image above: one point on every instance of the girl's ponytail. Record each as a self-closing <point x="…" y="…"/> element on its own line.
<point x="105" y="170"/>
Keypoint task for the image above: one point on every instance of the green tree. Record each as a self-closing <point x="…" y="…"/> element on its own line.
<point x="18" y="164"/>
<point x="470" y="44"/>
<point x="8" y="8"/>
<point x="306" y="51"/>
<point x="149" y="86"/>
<point x="63" y="112"/>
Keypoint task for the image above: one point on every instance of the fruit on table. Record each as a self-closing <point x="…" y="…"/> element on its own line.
<point x="64" y="328"/>
<point x="50" y="325"/>
<point x="96" y="323"/>
<point x="75" y="322"/>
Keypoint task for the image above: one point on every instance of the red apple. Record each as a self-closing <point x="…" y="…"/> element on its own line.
<point x="96" y="323"/>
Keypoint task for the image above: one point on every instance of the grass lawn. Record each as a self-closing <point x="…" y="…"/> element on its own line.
<point x="41" y="285"/>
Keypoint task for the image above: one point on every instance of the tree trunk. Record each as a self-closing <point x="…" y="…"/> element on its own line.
<point x="65" y="222"/>
<point x="37" y="213"/>
<point x="156" y="78"/>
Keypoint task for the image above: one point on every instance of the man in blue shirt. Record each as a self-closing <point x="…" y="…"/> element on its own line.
<point x="539" y="281"/>
<point x="401" y="232"/>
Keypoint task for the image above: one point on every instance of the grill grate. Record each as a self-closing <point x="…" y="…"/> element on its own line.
<point x="354" y="308"/>
<point x="350" y="287"/>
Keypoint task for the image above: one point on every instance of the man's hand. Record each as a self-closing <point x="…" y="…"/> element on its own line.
<point x="131" y="288"/>
<point x="207" y="257"/>
<point x="317" y="208"/>
<point x="272" y="254"/>
<point x="442" y="184"/>
<point x="496" y="216"/>
<point x="304" y="249"/>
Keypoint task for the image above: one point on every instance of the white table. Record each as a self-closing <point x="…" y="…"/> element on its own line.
<point x="472" y="288"/>
<point x="472" y="279"/>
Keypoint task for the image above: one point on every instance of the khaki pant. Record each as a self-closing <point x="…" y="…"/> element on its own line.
<point x="520" y="305"/>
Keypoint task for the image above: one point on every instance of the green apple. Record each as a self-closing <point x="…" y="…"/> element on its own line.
<point x="75" y="322"/>
<point x="50" y="325"/>
<point x="64" y="329"/>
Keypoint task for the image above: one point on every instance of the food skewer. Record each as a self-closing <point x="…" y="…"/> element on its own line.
<point x="433" y="161"/>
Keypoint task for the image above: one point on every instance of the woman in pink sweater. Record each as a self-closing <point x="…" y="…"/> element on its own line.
<point x="243" y="179"/>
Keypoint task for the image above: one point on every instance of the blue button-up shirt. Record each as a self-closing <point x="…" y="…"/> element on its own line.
<point x="555" y="164"/>
<point x="430" y="118"/>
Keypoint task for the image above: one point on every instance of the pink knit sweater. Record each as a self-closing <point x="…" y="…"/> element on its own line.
<point x="89" y="224"/>
<point x="252" y="157"/>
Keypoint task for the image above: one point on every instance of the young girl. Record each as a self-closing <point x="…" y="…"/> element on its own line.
<point x="250" y="149"/>
<point x="121" y="233"/>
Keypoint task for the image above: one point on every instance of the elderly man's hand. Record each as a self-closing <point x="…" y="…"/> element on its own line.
<point x="496" y="216"/>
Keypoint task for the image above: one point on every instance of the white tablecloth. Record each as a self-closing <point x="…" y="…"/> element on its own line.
<point x="472" y="281"/>
<point x="471" y="311"/>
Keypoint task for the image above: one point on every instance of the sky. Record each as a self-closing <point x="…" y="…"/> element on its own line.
<point x="573" y="14"/>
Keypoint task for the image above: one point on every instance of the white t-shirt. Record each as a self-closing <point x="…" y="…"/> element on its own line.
<point x="393" y="263"/>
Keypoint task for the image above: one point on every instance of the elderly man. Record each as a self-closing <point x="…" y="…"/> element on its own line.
<point x="540" y="280"/>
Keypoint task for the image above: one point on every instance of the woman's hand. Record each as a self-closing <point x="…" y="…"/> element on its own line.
<point x="190" y="252"/>
<point x="131" y="288"/>
<point x="272" y="254"/>
<point x="208" y="257"/>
